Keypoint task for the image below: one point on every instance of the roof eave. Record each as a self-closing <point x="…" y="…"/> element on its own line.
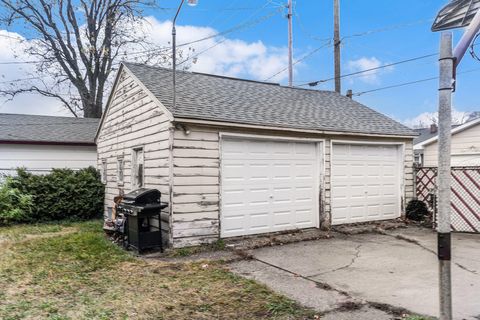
<point x="291" y="129"/>
<point x="66" y="143"/>
<point x="455" y="130"/>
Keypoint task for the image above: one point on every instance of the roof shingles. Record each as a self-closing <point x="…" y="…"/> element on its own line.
<point x="217" y="98"/>
<point x="47" y="129"/>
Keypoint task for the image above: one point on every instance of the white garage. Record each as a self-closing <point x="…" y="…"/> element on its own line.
<point x="366" y="182"/>
<point x="237" y="157"/>
<point x="268" y="185"/>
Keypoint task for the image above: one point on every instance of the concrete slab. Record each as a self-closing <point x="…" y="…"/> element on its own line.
<point x="384" y="269"/>
<point x="304" y="291"/>
<point x="364" y="313"/>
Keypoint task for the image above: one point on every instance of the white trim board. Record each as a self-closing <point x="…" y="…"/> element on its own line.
<point x="287" y="129"/>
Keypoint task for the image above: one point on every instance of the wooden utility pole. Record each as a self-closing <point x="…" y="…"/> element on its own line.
<point x="337" y="42"/>
<point x="290" y="44"/>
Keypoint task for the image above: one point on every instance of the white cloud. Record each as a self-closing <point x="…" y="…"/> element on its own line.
<point x="224" y="56"/>
<point x="11" y="49"/>
<point x="425" y="119"/>
<point x="366" y="63"/>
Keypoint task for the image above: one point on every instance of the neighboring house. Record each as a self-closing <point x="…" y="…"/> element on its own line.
<point x="40" y="143"/>
<point x="239" y="157"/>
<point x="465" y="148"/>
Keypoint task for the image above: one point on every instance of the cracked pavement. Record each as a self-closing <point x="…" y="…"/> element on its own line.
<point x="398" y="269"/>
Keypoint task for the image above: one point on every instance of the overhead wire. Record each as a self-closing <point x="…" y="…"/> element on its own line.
<point x="329" y="40"/>
<point x="19" y="80"/>
<point x="315" y="83"/>
<point x="255" y="22"/>
<point x="408" y="83"/>
<point x="243" y="25"/>
<point x="306" y="56"/>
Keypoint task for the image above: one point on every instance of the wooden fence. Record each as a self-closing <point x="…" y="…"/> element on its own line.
<point x="465" y="200"/>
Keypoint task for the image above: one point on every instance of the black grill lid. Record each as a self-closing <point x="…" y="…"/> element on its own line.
<point x="142" y="196"/>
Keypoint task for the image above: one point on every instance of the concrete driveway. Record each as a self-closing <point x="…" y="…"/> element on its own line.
<point x="398" y="269"/>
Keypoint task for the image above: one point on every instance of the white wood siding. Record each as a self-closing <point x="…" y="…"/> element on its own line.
<point x="196" y="168"/>
<point x="42" y="158"/>
<point x="195" y="187"/>
<point x="134" y="119"/>
<point x="465" y="149"/>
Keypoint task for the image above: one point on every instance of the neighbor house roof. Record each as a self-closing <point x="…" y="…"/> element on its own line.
<point x="218" y="98"/>
<point x="419" y="144"/>
<point x="426" y="134"/>
<point x="20" y="128"/>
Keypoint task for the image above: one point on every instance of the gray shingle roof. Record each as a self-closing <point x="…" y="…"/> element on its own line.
<point x="33" y="128"/>
<point x="209" y="97"/>
<point x="425" y="134"/>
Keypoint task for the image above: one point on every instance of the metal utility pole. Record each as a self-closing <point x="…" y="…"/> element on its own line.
<point x="174" y="49"/>
<point x="290" y="44"/>
<point x="337" y="42"/>
<point x="447" y="66"/>
<point x="456" y="14"/>
<point x="174" y="54"/>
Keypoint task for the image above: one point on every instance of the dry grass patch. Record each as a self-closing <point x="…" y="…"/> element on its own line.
<point x="79" y="274"/>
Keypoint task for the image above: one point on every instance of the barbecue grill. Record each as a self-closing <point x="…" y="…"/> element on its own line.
<point x="141" y="209"/>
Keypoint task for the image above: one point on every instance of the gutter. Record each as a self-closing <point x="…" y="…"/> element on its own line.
<point x="66" y="143"/>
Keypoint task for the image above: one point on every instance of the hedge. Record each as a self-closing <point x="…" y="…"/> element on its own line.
<point x="14" y="205"/>
<point x="61" y="194"/>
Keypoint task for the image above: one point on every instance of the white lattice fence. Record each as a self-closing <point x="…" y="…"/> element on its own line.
<point x="465" y="200"/>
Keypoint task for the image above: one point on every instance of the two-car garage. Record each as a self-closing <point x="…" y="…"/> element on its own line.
<point x="274" y="184"/>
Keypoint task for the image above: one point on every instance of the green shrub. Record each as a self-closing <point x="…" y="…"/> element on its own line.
<point x="15" y="206"/>
<point x="63" y="193"/>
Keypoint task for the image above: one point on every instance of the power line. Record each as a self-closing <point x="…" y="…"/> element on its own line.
<point x="315" y="83"/>
<point x="243" y="25"/>
<point x="387" y="28"/>
<point x="238" y="27"/>
<point x="408" y="83"/>
<point x="394" y="86"/>
<point x="257" y="21"/>
<point x="19" y="80"/>
<point x="235" y="28"/>
<point x="20" y="62"/>
<point x="306" y="56"/>
<point x="359" y="34"/>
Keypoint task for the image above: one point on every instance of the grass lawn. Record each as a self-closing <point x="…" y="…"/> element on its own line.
<point x="71" y="271"/>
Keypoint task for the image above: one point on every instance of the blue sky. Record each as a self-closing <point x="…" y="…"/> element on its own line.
<point x="406" y="35"/>
<point x="390" y="31"/>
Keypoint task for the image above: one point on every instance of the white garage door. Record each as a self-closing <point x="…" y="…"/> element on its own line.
<point x="365" y="183"/>
<point x="268" y="186"/>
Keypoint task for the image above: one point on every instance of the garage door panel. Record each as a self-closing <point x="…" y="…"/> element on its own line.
<point x="278" y="182"/>
<point x="374" y="211"/>
<point x="365" y="183"/>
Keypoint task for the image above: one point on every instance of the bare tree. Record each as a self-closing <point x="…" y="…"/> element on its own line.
<point x="76" y="44"/>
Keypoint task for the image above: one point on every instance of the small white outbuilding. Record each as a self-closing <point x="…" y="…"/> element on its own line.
<point x="40" y="143"/>
<point x="238" y="157"/>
